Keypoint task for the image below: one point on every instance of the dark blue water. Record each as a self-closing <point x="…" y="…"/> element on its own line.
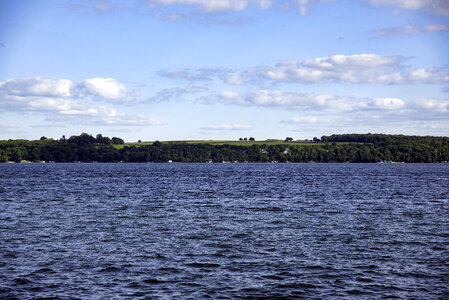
<point x="193" y="231"/>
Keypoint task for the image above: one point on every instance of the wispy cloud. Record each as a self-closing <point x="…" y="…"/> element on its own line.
<point x="175" y="93"/>
<point x="173" y="17"/>
<point x="412" y="30"/>
<point x="8" y="126"/>
<point x="96" y="6"/>
<point x="438" y="7"/>
<point x="11" y="128"/>
<point x="105" y="6"/>
<point x="300" y="120"/>
<point x="365" y="122"/>
<point x="204" y="74"/>
<point x="226" y="127"/>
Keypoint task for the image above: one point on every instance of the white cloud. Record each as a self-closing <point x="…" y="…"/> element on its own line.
<point x="412" y="30"/>
<point x="389" y="103"/>
<point x="431" y="105"/>
<point x="212" y="6"/>
<point x="234" y="78"/>
<point x="37" y="86"/>
<point x="359" y="68"/>
<point x="226" y="127"/>
<point x="438" y="7"/>
<point x="108" y="88"/>
<point x="104" y="88"/>
<point x="426" y="76"/>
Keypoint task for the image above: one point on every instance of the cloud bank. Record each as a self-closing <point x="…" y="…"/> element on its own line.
<point x="318" y="113"/>
<point x="325" y="103"/>
<point x="62" y="100"/>
<point x="357" y="69"/>
<point x="38" y="86"/>
<point x="102" y="88"/>
<point x="213" y="7"/>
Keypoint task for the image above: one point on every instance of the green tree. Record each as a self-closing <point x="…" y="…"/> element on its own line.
<point x="3" y="156"/>
<point x="117" y="141"/>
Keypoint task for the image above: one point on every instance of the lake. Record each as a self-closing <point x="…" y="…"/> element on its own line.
<point x="224" y="231"/>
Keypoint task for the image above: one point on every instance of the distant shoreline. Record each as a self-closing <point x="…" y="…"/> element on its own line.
<point x="346" y="148"/>
<point x="216" y="163"/>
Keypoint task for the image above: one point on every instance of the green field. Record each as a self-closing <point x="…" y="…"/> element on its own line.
<point x="227" y="142"/>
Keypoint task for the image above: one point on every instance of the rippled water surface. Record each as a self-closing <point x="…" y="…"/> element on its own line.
<point x="222" y="231"/>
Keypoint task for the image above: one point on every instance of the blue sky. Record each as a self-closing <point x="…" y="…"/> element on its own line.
<point x="223" y="69"/>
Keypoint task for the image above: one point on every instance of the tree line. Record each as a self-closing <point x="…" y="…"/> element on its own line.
<point x="335" y="148"/>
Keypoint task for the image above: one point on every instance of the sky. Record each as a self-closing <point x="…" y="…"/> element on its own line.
<point x="223" y="69"/>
